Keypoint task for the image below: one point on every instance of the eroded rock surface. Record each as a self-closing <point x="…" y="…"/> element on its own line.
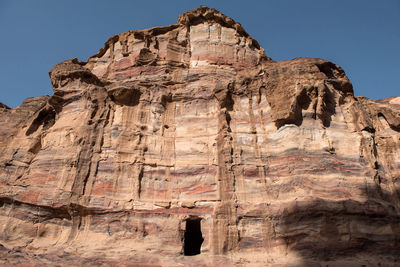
<point x="192" y="123"/>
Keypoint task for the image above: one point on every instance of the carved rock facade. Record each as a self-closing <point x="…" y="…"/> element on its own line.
<point x="187" y="135"/>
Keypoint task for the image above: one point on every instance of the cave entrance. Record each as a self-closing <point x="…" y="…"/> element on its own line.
<point x="193" y="237"/>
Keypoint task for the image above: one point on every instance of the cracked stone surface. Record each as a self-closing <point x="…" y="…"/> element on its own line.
<point x="280" y="161"/>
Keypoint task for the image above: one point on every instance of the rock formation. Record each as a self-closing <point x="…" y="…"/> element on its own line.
<point x="189" y="140"/>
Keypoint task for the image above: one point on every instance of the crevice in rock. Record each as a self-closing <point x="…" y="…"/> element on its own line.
<point x="46" y="118"/>
<point x="36" y="146"/>
<point x="90" y="148"/>
<point x="393" y="122"/>
<point x="140" y="178"/>
<point x="223" y="95"/>
<point x="146" y="57"/>
<point x="225" y="232"/>
<point x="46" y="213"/>
<point x="326" y="105"/>
<point x="326" y="68"/>
<point x="125" y="96"/>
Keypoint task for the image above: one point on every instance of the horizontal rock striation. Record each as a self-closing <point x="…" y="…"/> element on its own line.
<point x="192" y="124"/>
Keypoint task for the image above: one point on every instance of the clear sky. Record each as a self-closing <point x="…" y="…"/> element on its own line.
<point x="362" y="36"/>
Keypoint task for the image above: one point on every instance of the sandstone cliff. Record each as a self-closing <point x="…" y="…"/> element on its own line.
<point x="188" y="139"/>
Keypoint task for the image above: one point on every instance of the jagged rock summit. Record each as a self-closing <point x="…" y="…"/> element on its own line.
<point x="187" y="145"/>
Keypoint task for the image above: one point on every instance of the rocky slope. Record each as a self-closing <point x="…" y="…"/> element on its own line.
<point x="187" y="135"/>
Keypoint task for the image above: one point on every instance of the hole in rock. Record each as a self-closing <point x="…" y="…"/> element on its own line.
<point x="193" y="238"/>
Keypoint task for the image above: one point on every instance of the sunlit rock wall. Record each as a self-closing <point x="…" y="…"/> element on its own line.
<point x="192" y="121"/>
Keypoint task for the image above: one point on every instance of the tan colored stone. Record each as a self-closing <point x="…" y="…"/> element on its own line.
<point x="192" y="121"/>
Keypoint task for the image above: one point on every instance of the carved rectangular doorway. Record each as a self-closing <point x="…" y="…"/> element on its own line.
<point x="193" y="237"/>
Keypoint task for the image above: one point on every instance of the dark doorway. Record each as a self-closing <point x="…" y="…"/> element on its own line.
<point x="193" y="238"/>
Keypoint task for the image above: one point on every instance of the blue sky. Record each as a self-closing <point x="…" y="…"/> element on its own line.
<point x="362" y="36"/>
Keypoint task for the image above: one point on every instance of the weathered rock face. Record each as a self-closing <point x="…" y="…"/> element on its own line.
<point x="188" y="139"/>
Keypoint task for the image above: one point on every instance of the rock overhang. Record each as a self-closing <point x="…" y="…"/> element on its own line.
<point x="192" y="120"/>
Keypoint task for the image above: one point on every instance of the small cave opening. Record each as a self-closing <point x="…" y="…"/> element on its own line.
<point x="193" y="237"/>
